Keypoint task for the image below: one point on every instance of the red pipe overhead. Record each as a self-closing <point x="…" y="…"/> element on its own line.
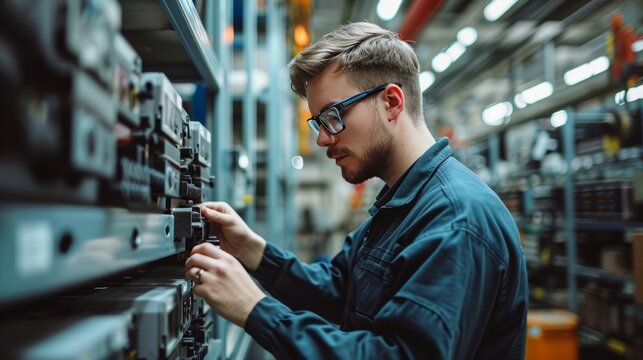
<point x="417" y="15"/>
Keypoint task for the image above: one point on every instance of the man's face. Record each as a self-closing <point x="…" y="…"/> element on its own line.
<point x="362" y="149"/>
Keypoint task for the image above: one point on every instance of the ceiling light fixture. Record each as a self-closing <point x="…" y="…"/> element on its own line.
<point x="427" y="78"/>
<point x="633" y="94"/>
<point x="454" y="51"/>
<point x="637" y="46"/>
<point x="386" y="9"/>
<point x="441" y="62"/>
<point x="467" y="36"/>
<point x="496" y="8"/>
<point x="559" y="118"/>
<point x="537" y="92"/>
<point x="586" y="71"/>
<point x="496" y="114"/>
<point x="520" y="103"/>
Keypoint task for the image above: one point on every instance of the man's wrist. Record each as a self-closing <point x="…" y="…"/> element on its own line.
<point x="254" y="253"/>
<point x="249" y="309"/>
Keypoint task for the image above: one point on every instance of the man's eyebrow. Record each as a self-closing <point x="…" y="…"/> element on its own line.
<point x="328" y="105"/>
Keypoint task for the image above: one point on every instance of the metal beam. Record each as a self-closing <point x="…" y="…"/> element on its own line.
<point x="195" y="39"/>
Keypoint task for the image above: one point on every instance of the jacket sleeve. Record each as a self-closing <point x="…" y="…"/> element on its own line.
<point x="318" y="287"/>
<point x="441" y="288"/>
<point x="291" y="334"/>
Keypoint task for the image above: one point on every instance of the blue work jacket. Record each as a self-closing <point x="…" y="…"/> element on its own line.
<point x="436" y="272"/>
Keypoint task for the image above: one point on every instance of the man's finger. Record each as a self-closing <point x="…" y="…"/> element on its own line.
<point x="201" y="261"/>
<point x="217" y="216"/>
<point x="210" y="250"/>
<point x="195" y="274"/>
<point x="214" y="205"/>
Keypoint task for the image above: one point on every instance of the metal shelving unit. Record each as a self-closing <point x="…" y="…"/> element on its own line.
<point x="171" y="38"/>
<point x="55" y="243"/>
<point x="591" y="337"/>
<point x="571" y="253"/>
<point x="48" y="248"/>
<point x="599" y="274"/>
<point x="74" y="244"/>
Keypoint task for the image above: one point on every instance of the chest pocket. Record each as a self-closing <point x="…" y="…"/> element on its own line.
<point x="370" y="287"/>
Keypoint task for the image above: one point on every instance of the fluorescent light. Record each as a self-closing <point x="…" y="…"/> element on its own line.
<point x="496" y="114"/>
<point x="454" y="51"/>
<point x="599" y="65"/>
<point x="559" y="118"/>
<point x="441" y="62"/>
<point x="619" y="97"/>
<point x="637" y="46"/>
<point x="586" y="71"/>
<point x="444" y="59"/>
<point x="520" y="103"/>
<point x="496" y="8"/>
<point x="427" y="79"/>
<point x="386" y="9"/>
<point x="467" y="36"/>
<point x="633" y="94"/>
<point x="537" y="92"/>
<point x="577" y="74"/>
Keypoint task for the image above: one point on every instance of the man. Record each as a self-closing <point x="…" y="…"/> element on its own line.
<point x="436" y="272"/>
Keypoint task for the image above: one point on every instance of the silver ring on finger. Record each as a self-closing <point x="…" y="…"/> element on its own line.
<point x="198" y="275"/>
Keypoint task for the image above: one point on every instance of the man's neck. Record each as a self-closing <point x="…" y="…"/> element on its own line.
<point x="406" y="149"/>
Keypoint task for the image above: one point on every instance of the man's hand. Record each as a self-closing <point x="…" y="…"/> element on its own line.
<point x="223" y="283"/>
<point x="236" y="237"/>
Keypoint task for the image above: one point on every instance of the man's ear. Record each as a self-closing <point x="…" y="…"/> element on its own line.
<point x="394" y="101"/>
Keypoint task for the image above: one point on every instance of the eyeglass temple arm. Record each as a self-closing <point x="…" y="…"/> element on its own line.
<point x="356" y="98"/>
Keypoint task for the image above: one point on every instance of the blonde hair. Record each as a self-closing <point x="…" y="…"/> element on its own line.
<point x="369" y="55"/>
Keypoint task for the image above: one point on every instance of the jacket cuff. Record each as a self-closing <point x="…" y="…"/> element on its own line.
<point x="264" y="319"/>
<point x="271" y="263"/>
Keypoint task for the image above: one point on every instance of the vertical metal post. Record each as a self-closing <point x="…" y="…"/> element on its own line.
<point x="274" y="128"/>
<point x="290" y="124"/>
<point x="570" y="226"/>
<point x="217" y="20"/>
<point x="218" y="16"/>
<point x="250" y="102"/>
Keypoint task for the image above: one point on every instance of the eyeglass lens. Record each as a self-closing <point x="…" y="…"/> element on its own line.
<point x="331" y="119"/>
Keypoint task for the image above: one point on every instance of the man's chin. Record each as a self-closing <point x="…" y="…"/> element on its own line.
<point x="354" y="178"/>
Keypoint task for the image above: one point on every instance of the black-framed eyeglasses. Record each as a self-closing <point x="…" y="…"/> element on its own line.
<point x="330" y="116"/>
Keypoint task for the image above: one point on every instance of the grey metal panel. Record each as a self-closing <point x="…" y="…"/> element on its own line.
<point x="72" y="338"/>
<point x="187" y="24"/>
<point x="157" y="317"/>
<point x="48" y="247"/>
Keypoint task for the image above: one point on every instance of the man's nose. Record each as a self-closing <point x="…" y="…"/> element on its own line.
<point x="324" y="138"/>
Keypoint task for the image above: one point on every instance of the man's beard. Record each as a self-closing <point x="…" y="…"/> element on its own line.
<point x="376" y="159"/>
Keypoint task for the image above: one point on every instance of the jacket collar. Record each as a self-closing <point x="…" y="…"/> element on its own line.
<point x="407" y="187"/>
